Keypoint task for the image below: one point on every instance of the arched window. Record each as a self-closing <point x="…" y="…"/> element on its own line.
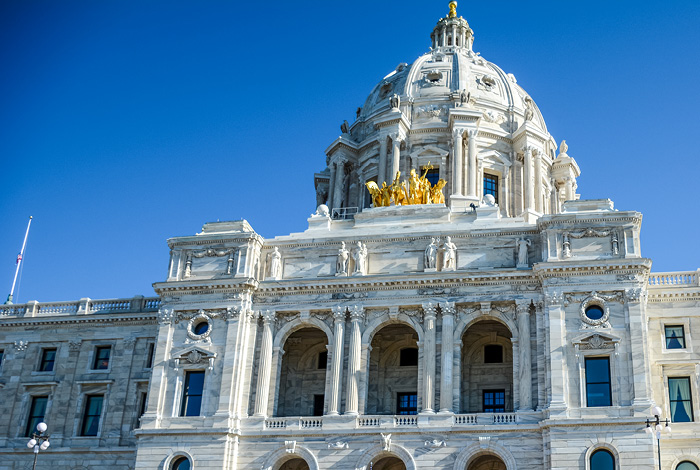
<point x="687" y="466"/>
<point x="181" y="463"/>
<point x="602" y="460"/>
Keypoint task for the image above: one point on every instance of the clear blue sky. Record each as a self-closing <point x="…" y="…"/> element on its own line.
<point x="123" y="123"/>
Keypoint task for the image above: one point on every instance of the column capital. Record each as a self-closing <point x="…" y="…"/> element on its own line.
<point x="357" y="313"/>
<point x="635" y="295"/>
<point x="449" y="309"/>
<point x="472" y="133"/>
<point x="429" y="310"/>
<point x="268" y="316"/>
<point x="553" y="298"/>
<point x="339" y="313"/>
<point x="522" y="307"/>
<point x="458" y="132"/>
<point x="527" y="149"/>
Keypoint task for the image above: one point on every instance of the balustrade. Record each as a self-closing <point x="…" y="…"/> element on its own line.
<point x="135" y="304"/>
<point x="681" y="278"/>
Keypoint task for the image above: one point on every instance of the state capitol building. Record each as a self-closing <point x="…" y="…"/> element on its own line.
<point x="454" y="304"/>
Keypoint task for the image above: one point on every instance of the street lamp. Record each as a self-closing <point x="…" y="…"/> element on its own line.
<point x="655" y="427"/>
<point x="38" y="441"/>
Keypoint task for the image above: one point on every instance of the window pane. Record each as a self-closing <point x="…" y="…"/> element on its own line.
<point x="598" y="395"/>
<point x="48" y="357"/>
<point x="181" y="464"/>
<point x="91" y="418"/>
<point x="406" y="403"/>
<point x="597" y="370"/>
<point x="37" y="411"/>
<point x="494" y="401"/>
<point x="687" y="466"/>
<point x="433" y="176"/>
<point x="192" y="394"/>
<point x="680" y="399"/>
<point x="102" y="354"/>
<point x="491" y="186"/>
<point x="598" y="392"/>
<point x="602" y="460"/>
<point x="149" y="357"/>
<point x="675" y="337"/>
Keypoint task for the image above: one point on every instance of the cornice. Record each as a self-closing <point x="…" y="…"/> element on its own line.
<point x="655" y="296"/>
<point x="205" y="286"/>
<point x="144" y="319"/>
<point x="210" y="238"/>
<point x="577" y="218"/>
<point x="546" y="270"/>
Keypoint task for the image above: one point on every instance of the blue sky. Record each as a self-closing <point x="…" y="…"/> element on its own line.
<point x="123" y="123"/>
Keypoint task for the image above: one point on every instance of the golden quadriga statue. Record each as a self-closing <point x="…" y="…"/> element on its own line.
<point x="419" y="191"/>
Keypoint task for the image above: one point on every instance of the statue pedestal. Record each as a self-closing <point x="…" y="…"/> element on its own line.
<point x="430" y="270"/>
<point x="462" y="203"/>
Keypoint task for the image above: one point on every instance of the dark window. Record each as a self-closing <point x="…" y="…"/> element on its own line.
<point x="493" y="353"/>
<point x="602" y="460"/>
<point x="368" y="196"/>
<point x="491" y="186"/>
<point x="494" y="401"/>
<point x="407" y="403"/>
<point x="322" y="360"/>
<point x="143" y="402"/>
<point x="680" y="399"/>
<point x="675" y="337"/>
<point x="201" y="328"/>
<point x="687" y="466"/>
<point x="48" y="358"/>
<point x="598" y="392"/>
<point x="409" y="357"/>
<point x="318" y="405"/>
<point x="594" y="312"/>
<point x="102" y="354"/>
<point x="181" y="464"/>
<point x="36" y="414"/>
<point x="91" y="417"/>
<point x="192" y="393"/>
<point x="2" y="354"/>
<point x="149" y="355"/>
<point x="432" y="175"/>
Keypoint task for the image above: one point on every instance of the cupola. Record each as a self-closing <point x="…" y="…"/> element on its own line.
<point x="452" y="32"/>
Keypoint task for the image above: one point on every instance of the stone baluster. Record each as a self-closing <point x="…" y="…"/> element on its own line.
<point x="381" y="176"/>
<point x="262" y="393"/>
<point x="396" y="140"/>
<point x="336" y="360"/>
<point x="429" y="313"/>
<point x="457" y="164"/>
<point x="525" y="362"/>
<point x="357" y="315"/>
<point x="472" y="185"/>
<point x="448" y="325"/>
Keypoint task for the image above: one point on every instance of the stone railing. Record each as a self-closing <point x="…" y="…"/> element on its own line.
<point x="81" y="307"/>
<point x="486" y="418"/>
<point x="675" y="279"/>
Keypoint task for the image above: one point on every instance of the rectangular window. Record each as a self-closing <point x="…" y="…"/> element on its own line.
<point x="143" y="402"/>
<point x="192" y="393"/>
<point x="675" y="337"/>
<point x="149" y="355"/>
<point x="318" y="405"/>
<point x="598" y="391"/>
<point x="48" y="358"/>
<point x="2" y="354"/>
<point x="432" y="175"/>
<point x="680" y="399"/>
<point x="37" y="412"/>
<point x="491" y="186"/>
<point x="407" y="403"/>
<point x="91" y="416"/>
<point x="494" y="401"/>
<point x="102" y="354"/>
<point x="493" y="354"/>
<point x="322" y="360"/>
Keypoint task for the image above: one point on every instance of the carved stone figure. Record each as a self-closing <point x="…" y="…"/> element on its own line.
<point x="449" y="255"/>
<point x="360" y="257"/>
<point x="394" y="101"/>
<point x="464" y="97"/>
<point x="430" y="258"/>
<point x="488" y="201"/>
<point x="321" y="194"/>
<point x="563" y="148"/>
<point x="386" y="441"/>
<point x="521" y="245"/>
<point x="321" y="211"/>
<point x="276" y="264"/>
<point x="341" y="264"/>
<point x="345" y="127"/>
<point x="529" y="109"/>
<point x="436" y="192"/>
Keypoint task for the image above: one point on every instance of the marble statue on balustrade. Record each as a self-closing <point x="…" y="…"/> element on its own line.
<point x="275" y="264"/>
<point x="394" y="101"/>
<point x="341" y="264"/>
<point x="563" y="148"/>
<point x="360" y="257"/>
<point x="449" y="255"/>
<point x="521" y="246"/>
<point x="430" y="256"/>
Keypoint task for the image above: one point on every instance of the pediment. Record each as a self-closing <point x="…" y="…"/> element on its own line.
<point x="194" y="355"/>
<point x="598" y="341"/>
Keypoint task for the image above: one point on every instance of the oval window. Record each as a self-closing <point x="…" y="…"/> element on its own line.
<point x="594" y="312"/>
<point x="201" y="328"/>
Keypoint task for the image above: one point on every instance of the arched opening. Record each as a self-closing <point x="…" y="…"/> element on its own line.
<point x="388" y="463"/>
<point x="393" y="371"/>
<point x="602" y="460"/>
<point x="487" y="462"/>
<point x="687" y="465"/>
<point x="487" y="368"/>
<point x="295" y="464"/>
<point x="181" y="463"/>
<point x="303" y="374"/>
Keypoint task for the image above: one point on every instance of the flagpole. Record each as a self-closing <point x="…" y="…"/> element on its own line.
<point x="19" y="262"/>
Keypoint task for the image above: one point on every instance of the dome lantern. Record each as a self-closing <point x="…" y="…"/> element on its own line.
<point x="452" y="32"/>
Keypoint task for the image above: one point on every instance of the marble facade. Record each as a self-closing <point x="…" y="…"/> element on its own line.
<point x="356" y="344"/>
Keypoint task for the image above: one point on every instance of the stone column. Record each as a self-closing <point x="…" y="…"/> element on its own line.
<point x="331" y="186"/>
<point x="525" y="363"/>
<point x="262" y="393"/>
<point x="381" y="175"/>
<point x="457" y="162"/>
<point x="556" y="345"/>
<point x="528" y="194"/>
<point x="472" y="168"/>
<point x="505" y="194"/>
<point x="357" y="315"/>
<point x="336" y="360"/>
<point x="338" y="188"/>
<point x="636" y="310"/>
<point x="396" y="155"/>
<point x="429" y="311"/>
<point x="448" y="325"/>
<point x="539" y="203"/>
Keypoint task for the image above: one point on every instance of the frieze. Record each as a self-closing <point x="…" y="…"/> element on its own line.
<point x="438" y="291"/>
<point x="348" y="295"/>
<point x="614" y="297"/>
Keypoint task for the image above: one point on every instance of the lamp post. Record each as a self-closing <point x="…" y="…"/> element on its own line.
<point x="655" y="427"/>
<point x="38" y="441"/>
